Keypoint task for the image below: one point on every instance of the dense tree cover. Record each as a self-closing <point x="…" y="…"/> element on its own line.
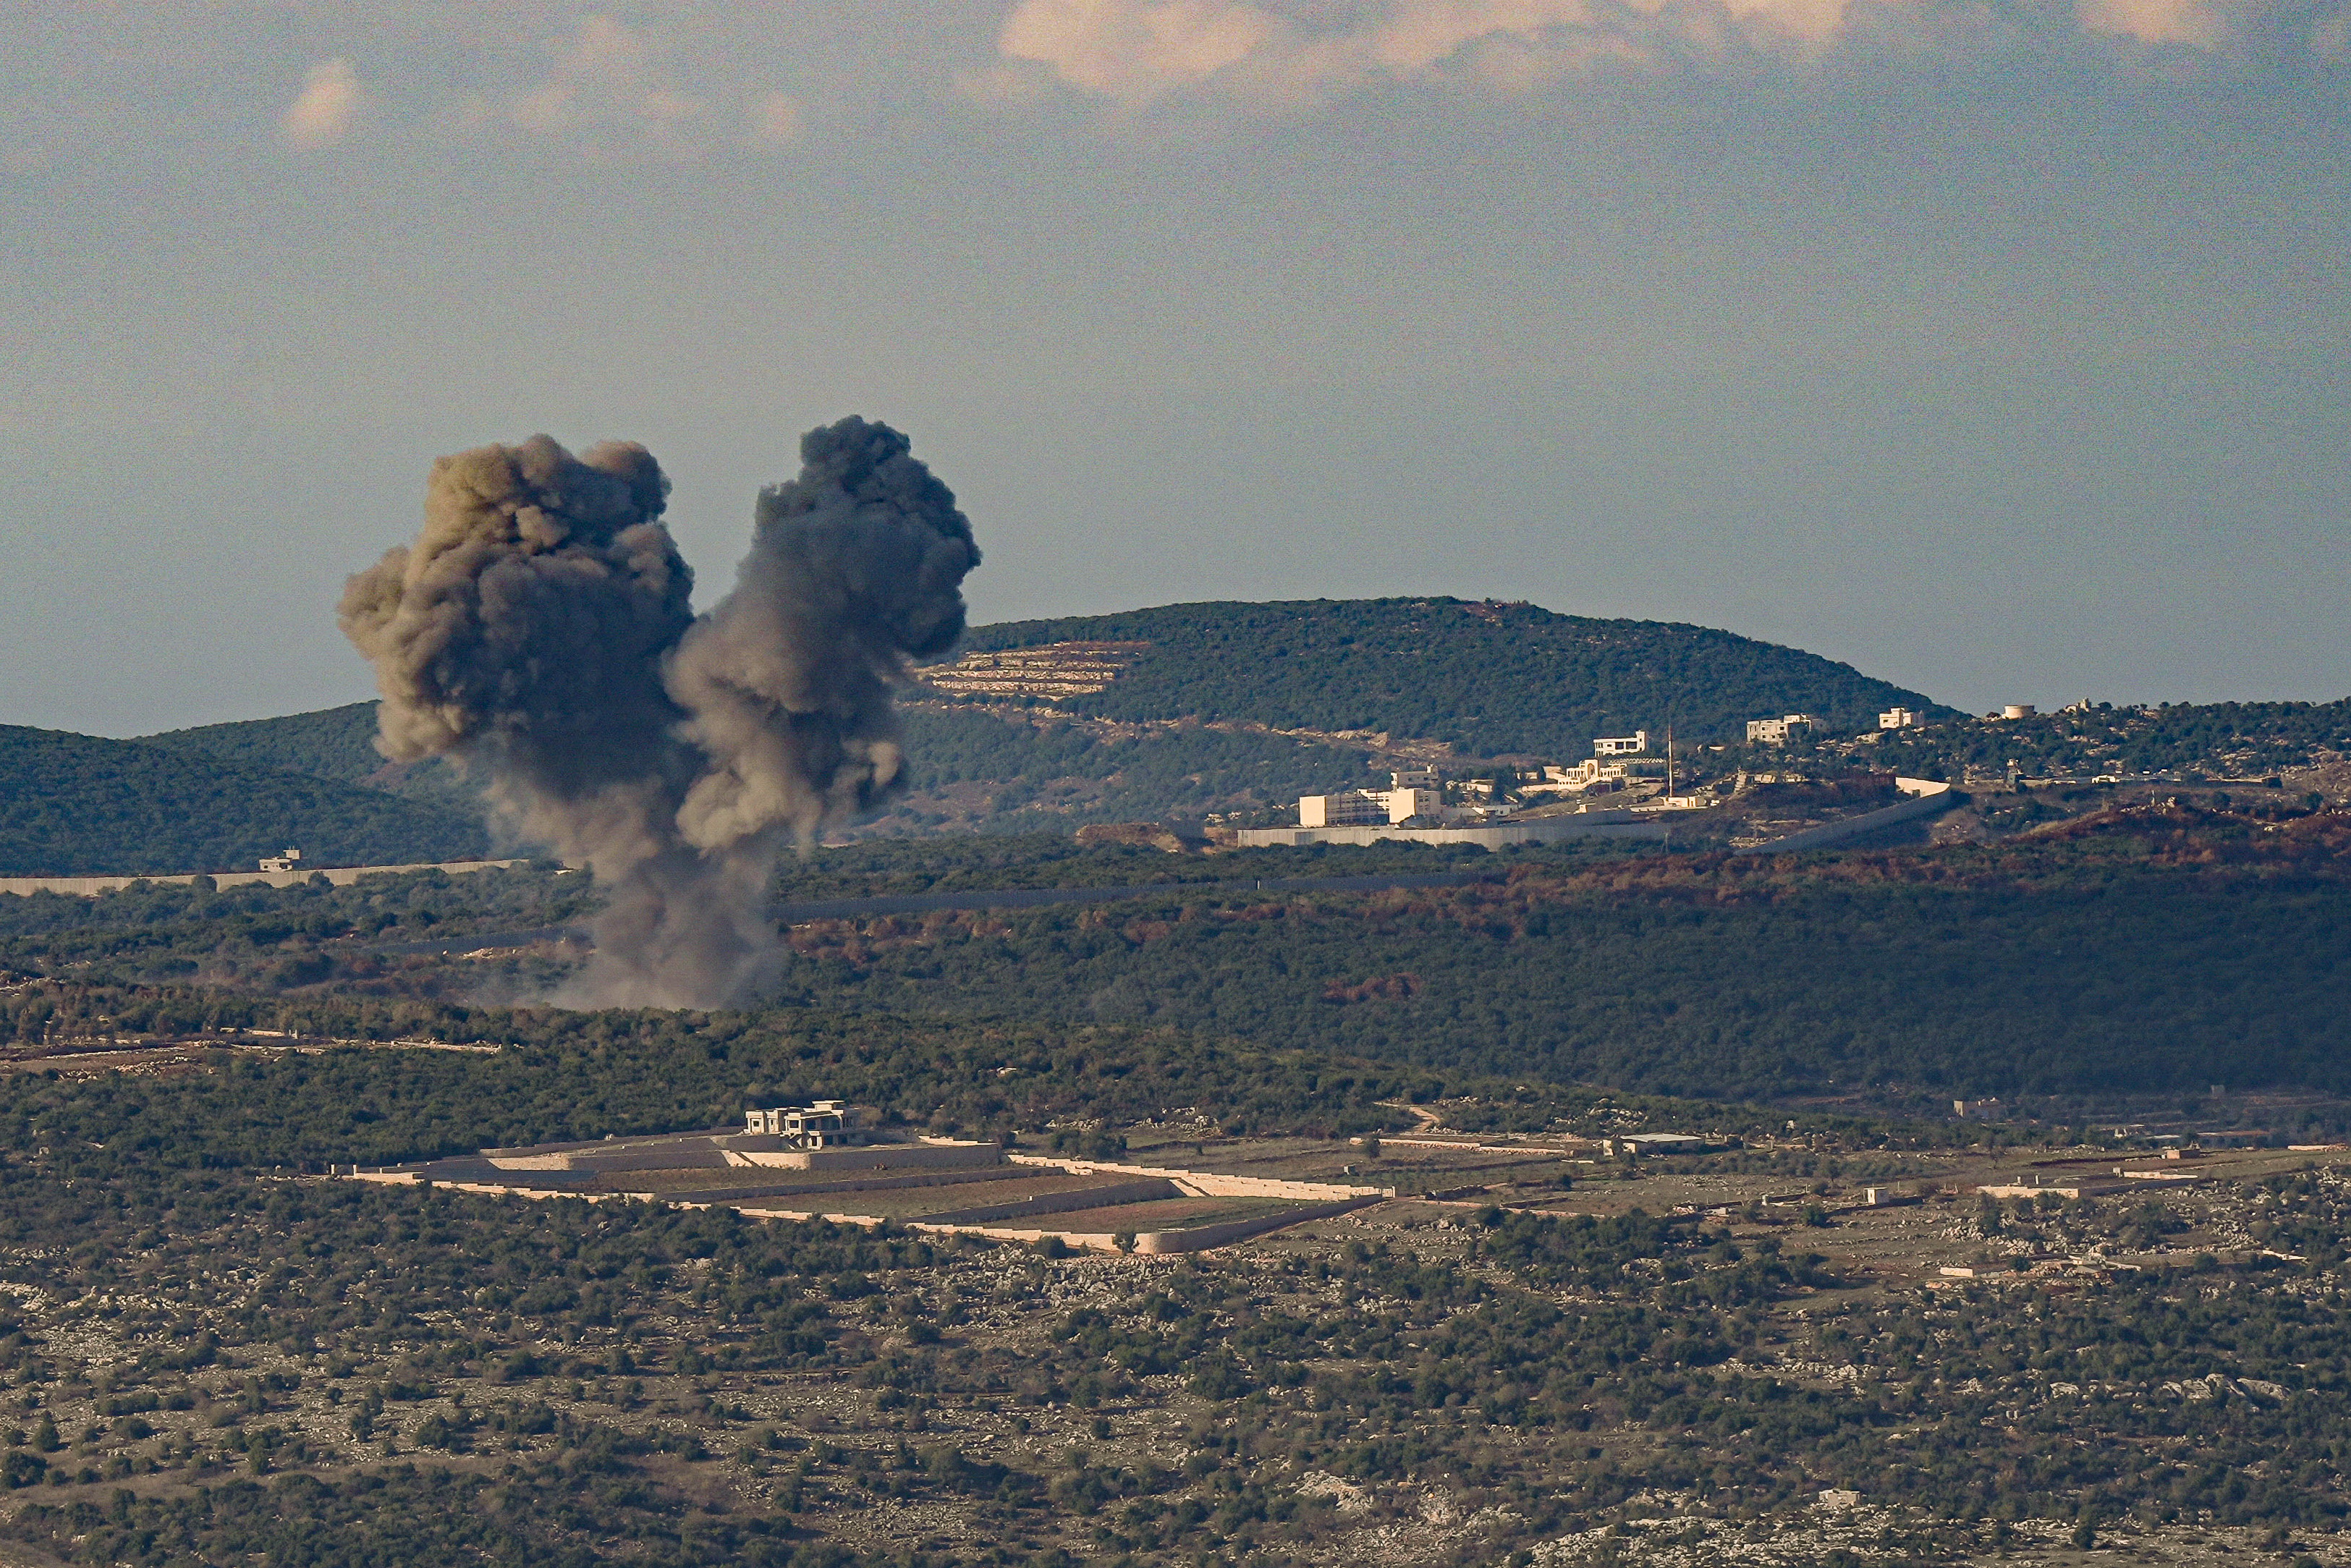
<point x="79" y="805"/>
<point x="567" y="1075"/>
<point x="329" y="743"/>
<point x="2130" y="956"/>
<point x="1493" y="678"/>
<point x="2218" y="739"/>
<point x="336" y="743"/>
<point x="883" y="866"/>
<point x="188" y="919"/>
<point x="2132" y="952"/>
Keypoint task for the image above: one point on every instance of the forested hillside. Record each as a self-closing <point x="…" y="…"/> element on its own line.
<point x="1491" y="678"/>
<point x="331" y="743"/>
<point x="2150" y="952"/>
<point x="80" y="805"/>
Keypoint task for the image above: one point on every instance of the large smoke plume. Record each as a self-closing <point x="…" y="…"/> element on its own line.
<point x="539" y="632"/>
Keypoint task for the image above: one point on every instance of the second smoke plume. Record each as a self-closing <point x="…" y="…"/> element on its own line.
<point x="537" y="632"/>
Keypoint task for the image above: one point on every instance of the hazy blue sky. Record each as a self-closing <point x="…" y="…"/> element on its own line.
<point x="2002" y="349"/>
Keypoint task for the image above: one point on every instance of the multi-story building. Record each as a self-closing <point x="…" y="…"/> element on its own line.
<point x="1352" y="808"/>
<point x="1404" y="804"/>
<point x="1900" y="718"/>
<point x="1416" y="793"/>
<point x="1778" y="731"/>
<point x="1620" y="744"/>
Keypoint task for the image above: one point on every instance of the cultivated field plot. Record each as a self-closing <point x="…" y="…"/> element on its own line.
<point x="1078" y="1203"/>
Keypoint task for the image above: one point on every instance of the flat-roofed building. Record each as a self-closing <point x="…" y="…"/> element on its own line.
<point x="1349" y="808"/>
<point x="825" y="1125"/>
<point x="1778" y="731"/>
<point x="1404" y="805"/>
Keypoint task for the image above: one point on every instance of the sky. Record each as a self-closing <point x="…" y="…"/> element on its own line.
<point x="1998" y="348"/>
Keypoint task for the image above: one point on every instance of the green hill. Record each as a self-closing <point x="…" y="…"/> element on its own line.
<point x="333" y="743"/>
<point x="1491" y="678"/>
<point x="77" y="805"/>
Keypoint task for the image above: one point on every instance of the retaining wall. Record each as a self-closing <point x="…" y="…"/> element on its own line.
<point x="1211" y="1184"/>
<point x="1059" y="1203"/>
<point x="935" y="1156"/>
<point x="1199" y="1238"/>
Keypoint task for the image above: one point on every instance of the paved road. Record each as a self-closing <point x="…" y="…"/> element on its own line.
<point x="793" y="913"/>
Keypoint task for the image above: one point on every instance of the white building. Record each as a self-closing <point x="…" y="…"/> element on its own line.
<point x="1415" y="794"/>
<point x="1620" y="744"/>
<point x="1353" y="809"/>
<point x="1404" y="805"/>
<point x="1900" y="718"/>
<point x="827" y="1124"/>
<point x="1778" y="731"/>
<point x="282" y="863"/>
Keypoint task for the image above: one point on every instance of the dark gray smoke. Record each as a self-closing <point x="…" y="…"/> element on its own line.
<point x="539" y="632"/>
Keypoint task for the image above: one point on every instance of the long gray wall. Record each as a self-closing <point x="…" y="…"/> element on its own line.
<point x="340" y="875"/>
<point x="1537" y="830"/>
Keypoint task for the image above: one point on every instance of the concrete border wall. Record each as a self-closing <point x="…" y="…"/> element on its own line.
<point x="1614" y="824"/>
<point x="340" y="875"/>
<point x="1927" y="796"/>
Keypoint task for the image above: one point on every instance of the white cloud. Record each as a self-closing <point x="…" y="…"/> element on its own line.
<point x="1141" y="48"/>
<point x="610" y="91"/>
<point x="327" y="109"/>
<point x="774" y="119"/>
<point x="2189" y="22"/>
<point x="1136" y="51"/>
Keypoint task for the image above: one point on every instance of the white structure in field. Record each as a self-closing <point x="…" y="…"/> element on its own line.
<point x="2014" y="711"/>
<point x="1630" y="745"/>
<point x="282" y="863"/>
<point x="825" y="1125"/>
<point x="1778" y="731"/>
<point x="1900" y="718"/>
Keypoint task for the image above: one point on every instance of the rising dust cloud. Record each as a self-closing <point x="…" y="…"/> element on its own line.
<point x="539" y="633"/>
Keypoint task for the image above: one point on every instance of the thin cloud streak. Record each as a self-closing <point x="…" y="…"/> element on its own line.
<point x="1135" y="52"/>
